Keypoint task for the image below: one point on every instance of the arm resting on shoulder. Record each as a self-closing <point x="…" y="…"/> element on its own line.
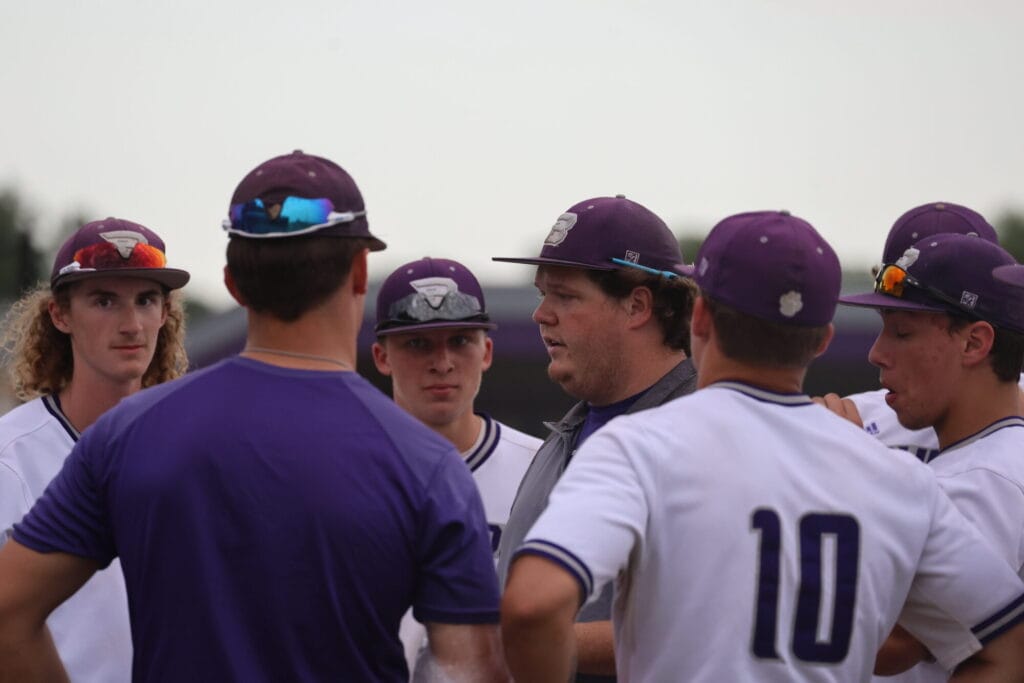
<point x="462" y="652"/>
<point x="32" y="585"/>
<point x="1000" y="661"/>
<point x="899" y="652"/>
<point x="537" y="614"/>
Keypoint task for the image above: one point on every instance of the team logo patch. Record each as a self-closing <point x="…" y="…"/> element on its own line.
<point x="632" y="256"/>
<point x="560" y="230"/>
<point x="434" y="289"/>
<point x="968" y="300"/>
<point x="703" y="267"/>
<point x="790" y="304"/>
<point x="124" y="240"/>
<point x="908" y="259"/>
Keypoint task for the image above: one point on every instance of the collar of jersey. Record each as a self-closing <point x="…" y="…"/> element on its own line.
<point x="1013" y="421"/>
<point x="52" y="404"/>
<point x="485" y="445"/>
<point x="763" y="395"/>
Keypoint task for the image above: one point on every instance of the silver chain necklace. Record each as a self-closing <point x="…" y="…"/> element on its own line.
<point x="296" y="354"/>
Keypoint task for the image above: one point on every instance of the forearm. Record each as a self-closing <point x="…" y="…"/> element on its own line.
<point x="540" y="651"/>
<point x="595" y="648"/>
<point x="28" y="654"/>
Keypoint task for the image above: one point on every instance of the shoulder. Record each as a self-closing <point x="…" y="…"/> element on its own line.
<point x="31" y="423"/>
<point x="517" y="439"/>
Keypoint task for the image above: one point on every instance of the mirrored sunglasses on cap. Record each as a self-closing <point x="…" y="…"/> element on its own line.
<point x="295" y="216"/>
<point x="653" y="271"/>
<point x="108" y="256"/>
<point x="416" y="309"/>
<point x="892" y="280"/>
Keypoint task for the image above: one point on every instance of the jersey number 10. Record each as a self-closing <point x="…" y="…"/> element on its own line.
<point x="814" y="528"/>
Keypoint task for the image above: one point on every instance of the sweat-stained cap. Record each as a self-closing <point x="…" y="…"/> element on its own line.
<point x="114" y="247"/>
<point x="950" y="273"/>
<point x="770" y="265"/>
<point x="298" y="194"/>
<point x="607" y="233"/>
<point x="431" y="293"/>
<point x="935" y="218"/>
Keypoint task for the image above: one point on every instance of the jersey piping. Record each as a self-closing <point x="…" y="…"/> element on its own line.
<point x="764" y="395"/>
<point x="485" y="446"/>
<point x="52" y="405"/>
<point x="1000" y="621"/>
<point x="977" y="436"/>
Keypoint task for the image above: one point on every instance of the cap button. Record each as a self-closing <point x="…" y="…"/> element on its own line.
<point x="784" y="212"/>
<point x="297" y="151"/>
<point x="620" y="196"/>
<point x="940" y="206"/>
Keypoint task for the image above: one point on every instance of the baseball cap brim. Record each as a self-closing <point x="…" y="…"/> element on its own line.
<point x="436" y="325"/>
<point x="876" y="300"/>
<point x="543" y="261"/>
<point x="172" y="278"/>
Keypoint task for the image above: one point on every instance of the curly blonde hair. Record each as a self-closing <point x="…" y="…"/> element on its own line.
<point x="38" y="355"/>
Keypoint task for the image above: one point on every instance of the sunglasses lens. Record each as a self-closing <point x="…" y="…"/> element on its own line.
<point x="107" y="256"/>
<point x="891" y="281"/>
<point x="294" y="214"/>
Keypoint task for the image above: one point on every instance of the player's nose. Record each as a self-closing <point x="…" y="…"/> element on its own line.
<point x="877" y="355"/>
<point x="542" y="315"/>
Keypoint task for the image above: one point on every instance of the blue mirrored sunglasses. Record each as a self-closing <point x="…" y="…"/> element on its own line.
<point x="653" y="271"/>
<point x="296" y="216"/>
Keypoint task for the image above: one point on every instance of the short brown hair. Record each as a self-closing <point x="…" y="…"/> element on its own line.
<point x="754" y="341"/>
<point x="288" y="277"/>
<point x="672" y="300"/>
<point x="39" y="356"/>
<point x="1007" y="353"/>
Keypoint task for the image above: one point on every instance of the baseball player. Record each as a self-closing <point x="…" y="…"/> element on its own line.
<point x="106" y="325"/>
<point x="432" y="342"/>
<point x="614" y="315"/>
<point x="869" y="408"/>
<point x="753" y="535"/>
<point x="950" y="354"/>
<point x="275" y="515"/>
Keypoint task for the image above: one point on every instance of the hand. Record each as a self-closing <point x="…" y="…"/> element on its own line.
<point x="843" y="407"/>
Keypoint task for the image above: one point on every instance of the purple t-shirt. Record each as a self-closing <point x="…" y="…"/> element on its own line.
<point x="272" y="524"/>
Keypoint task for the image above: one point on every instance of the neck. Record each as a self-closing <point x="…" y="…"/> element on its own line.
<point x="714" y="367"/>
<point x="463" y="432"/>
<point x="978" y="404"/>
<point x="316" y="341"/>
<point x="643" y="369"/>
<point x="82" y="401"/>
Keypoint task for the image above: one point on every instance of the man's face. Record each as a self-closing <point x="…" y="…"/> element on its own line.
<point x="113" y="323"/>
<point x="435" y="374"/>
<point x="582" y="328"/>
<point x="919" y="362"/>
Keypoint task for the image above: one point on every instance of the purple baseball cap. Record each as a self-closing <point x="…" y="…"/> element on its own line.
<point x="114" y="247"/>
<point x="594" y="232"/>
<point x="770" y="265"/>
<point x="935" y="218"/>
<point x="953" y="274"/>
<point x="298" y="194"/>
<point x="432" y="293"/>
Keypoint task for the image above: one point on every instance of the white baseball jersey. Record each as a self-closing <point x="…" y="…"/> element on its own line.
<point x="984" y="477"/>
<point x="91" y="629"/>
<point x="880" y="421"/>
<point x="498" y="460"/>
<point x="756" y="536"/>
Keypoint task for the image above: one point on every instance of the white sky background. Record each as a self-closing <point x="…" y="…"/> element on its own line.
<point x="471" y="125"/>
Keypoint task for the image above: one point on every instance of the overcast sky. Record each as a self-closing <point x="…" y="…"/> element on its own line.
<point x="470" y="126"/>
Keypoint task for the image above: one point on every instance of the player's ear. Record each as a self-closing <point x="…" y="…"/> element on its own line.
<point x="232" y="287"/>
<point x="977" y="338"/>
<point x="360" y="272"/>
<point x="639" y="306"/>
<point x="830" y="332"/>
<point x="488" y="352"/>
<point x="380" y="358"/>
<point x="700" y="320"/>
<point x="58" y="316"/>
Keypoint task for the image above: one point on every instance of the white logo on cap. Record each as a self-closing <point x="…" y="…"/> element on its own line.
<point x="790" y="304"/>
<point x="908" y="259"/>
<point x="632" y="256"/>
<point x="968" y="299"/>
<point x="703" y="267"/>
<point x="434" y="289"/>
<point x="560" y="229"/>
<point x="124" y="240"/>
